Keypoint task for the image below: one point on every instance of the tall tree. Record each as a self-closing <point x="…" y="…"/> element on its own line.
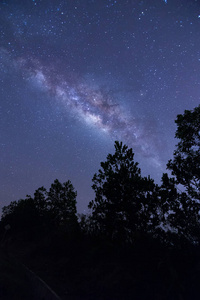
<point x="121" y="196"/>
<point x="186" y="162"/>
<point x="41" y="201"/>
<point x="62" y="203"/>
<point x="173" y="212"/>
<point x="168" y="196"/>
<point x="185" y="166"/>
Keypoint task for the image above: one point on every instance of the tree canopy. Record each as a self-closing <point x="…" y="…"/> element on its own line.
<point x="186" y="162"/>
<point x="121" y="196"/>
<point x="126" y="203"/>
<point x="55" y="208"/>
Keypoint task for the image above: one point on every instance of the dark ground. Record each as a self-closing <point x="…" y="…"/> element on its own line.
<point x="14" y="283"/>
<point x="88" y="269"/>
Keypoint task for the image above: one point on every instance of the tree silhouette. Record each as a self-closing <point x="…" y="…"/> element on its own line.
<point x="186" y="168"/>
<point x="172" y="212"/>
<point x="46" y="210"/>
<point x="62" y="204"/>
<point x="22" y="216"/>
<point x="41" y="201"/>
<point x="122" y="197"/>
<point x="186" y="162"/>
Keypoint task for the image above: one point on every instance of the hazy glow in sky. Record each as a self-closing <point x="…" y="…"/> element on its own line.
<point x="78" y="75"/>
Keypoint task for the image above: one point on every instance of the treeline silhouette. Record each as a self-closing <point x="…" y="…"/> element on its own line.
<point x="140" y="240"/>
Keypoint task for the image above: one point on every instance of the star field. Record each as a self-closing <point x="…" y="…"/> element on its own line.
<point x="78" y="75"/>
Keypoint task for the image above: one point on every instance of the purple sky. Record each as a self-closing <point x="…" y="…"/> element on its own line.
<point x="78" y="75"/>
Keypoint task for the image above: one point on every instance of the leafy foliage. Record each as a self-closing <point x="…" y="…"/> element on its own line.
<point x="122" y="196"/>
<point x="177" y="214"/>
<point x="62" y="203"/>
<point x="47" y="210"/>
<point x="186" y="163"/>
<point x="185" y="166"/>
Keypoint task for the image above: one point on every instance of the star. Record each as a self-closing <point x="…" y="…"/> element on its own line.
<point x="76" y="76"/>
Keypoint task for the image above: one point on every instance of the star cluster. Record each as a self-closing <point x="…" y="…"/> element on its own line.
<point x="77" y="75"/>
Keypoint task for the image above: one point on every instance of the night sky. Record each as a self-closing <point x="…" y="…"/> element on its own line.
<point x="77" y="75"/>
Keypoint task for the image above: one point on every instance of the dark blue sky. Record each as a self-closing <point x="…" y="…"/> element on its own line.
<point x="78" y="75"/>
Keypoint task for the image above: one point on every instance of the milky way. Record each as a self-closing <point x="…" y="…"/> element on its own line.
<point x="78" y="75"/>
<point x="94" y="106"/>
